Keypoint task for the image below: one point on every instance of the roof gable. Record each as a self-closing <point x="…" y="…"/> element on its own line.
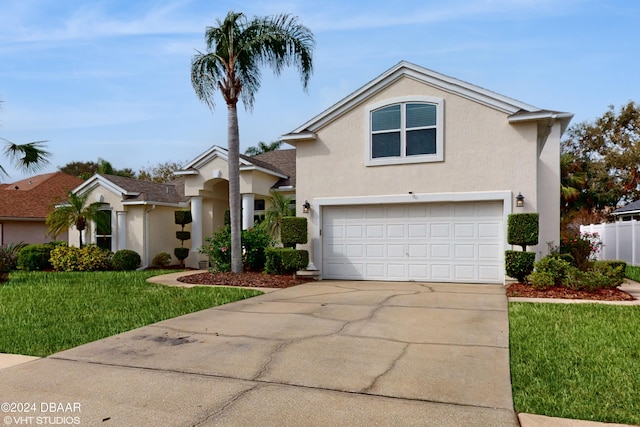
<point x="135" y="191"/>
<point x="406" y="69"/>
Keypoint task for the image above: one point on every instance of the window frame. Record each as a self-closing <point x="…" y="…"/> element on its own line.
<point x="403" y="158"/>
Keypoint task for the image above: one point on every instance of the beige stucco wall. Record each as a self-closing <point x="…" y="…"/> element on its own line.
<point x="27" y="232"/>
<point x="482" y="152"/>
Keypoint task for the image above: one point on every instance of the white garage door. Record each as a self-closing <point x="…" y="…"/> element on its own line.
<point x="434" y="242"/>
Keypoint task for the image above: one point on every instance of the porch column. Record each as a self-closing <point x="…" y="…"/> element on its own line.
<point x="247" y="211"/>
<point x="196" y="225"/>
<point x="121" y="230"/>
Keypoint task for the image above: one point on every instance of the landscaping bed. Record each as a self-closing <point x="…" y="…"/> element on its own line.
<point x="526" y="291"/>
<point x="246" y="279"/>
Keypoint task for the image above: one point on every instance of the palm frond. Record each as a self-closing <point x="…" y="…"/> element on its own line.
<point x="29" y="157"/>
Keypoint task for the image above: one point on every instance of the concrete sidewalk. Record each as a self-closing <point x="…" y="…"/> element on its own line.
<point x="324" y="353"/>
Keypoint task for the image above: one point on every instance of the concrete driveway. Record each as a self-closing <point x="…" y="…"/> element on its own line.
<point x="329" y="353"/>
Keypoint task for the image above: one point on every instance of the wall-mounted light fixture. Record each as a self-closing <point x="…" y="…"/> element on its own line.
<point x="306" y="207"/>
<point x="519" y="200"/>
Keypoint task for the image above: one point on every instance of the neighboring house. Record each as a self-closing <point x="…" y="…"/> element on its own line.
<point x="409" y="178"/>
<point x="142" y="213"/>
<point x="628" y="212"/>
<point x="25" y="204"/>
<point x="412" y="177"/>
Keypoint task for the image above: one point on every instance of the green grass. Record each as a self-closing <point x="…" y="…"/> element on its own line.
<point x="43" y="313"/>
<point x="579" y="361"/>
<point x="633" y="272"/>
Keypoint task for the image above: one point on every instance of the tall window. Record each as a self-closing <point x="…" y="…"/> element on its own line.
<point x="406" y="132"/>
<point x="103" y="230"/>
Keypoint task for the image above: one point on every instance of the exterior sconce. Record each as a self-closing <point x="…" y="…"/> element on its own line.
<point x="519" y="200"/>
<point x="306" y="207"/>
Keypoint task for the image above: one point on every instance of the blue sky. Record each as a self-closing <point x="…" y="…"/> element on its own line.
<point x="110" y="79"/>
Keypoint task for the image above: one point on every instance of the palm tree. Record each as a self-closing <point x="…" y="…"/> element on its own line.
<point x="236" y="49"/>
<point x="29" y="157"/>
<point x="263" y="148"/>
<point x="73" y="212"/>
<point x="280" y="206"/>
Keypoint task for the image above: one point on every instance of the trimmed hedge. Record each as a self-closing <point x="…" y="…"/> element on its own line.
<point x="183" y="235"/>
<point x="523" y="229"/>
<point x="293" y="231"/>
<point x="183" y="217"/>
<point x="285" y="260"/>
<point x="519" y="264"/>
<point x="181" y="253"/>
<point x="125" y="259"/>
<point x="34" y="257"/>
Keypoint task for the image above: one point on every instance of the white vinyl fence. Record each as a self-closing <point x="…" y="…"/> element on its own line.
<point x="620" y="240"/>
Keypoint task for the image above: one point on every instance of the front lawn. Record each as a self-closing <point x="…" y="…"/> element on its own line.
<point x="579" y="361"/>
<point x="42" y="313"/>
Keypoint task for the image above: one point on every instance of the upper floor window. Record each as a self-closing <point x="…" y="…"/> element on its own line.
<point x="405" y="131"/>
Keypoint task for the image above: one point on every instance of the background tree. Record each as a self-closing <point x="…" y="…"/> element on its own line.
<point x="236" y="49"/>
<point x="162" y="172"/>
<point x="601" y="159"/>
<point x="85" y="170"/>
<point x="263" y="148"/>
<point x="73" y="212"/>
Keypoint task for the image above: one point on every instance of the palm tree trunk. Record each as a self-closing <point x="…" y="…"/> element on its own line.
<point x="233" y="143"/>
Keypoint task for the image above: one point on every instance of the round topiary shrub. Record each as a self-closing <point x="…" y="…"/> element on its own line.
<point x="162" y="259"/>
<point x="125" y="259"/>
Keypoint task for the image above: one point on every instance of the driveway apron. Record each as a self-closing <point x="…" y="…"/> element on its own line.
<point x="329" y="353"/>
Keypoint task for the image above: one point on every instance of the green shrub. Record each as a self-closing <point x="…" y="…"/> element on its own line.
<point x="293" y="231"/>
<point x="34" y="257"/>
<point x="254" y="243"/>
<point x="519" y="264"/>
<point x="566" y="257"/>
<point x="87" y="258"/>
<point x="555" y="267"/>
<point x="161" y="260"/>
<point x="285" y="260"/>
<point x="541" y="279"/>
<point x="523" y="229"/>
<point x="617" y="265"/>
<point x="218" y="249"/>
<point x="125" y="259"/>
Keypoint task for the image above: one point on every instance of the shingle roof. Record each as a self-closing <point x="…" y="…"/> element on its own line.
<point x="168" y="192"/>
<point x="283" y="161"/>
<point x="631" y="207"/>
<point x="34" y="197"/>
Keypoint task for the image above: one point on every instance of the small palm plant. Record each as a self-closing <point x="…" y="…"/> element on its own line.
<point x="73" y="212"/>
<point x="279" y="207"/>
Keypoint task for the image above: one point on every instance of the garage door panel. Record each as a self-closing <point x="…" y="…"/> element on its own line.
<point x="464" y="231"/>
<point x="395" y="251"/>
<point x="464" y="251"/>
<point x="375" y="231"/>
<point x="464" y="273"/>
<point x="489" y="230"/>
<point x="440" y="230"/>
<point x="448" y="242"/>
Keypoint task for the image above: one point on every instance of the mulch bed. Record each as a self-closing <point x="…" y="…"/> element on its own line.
<point x="526" y="291"/>
<point x="250" y="279"/>
<point x="261" y="280"/>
